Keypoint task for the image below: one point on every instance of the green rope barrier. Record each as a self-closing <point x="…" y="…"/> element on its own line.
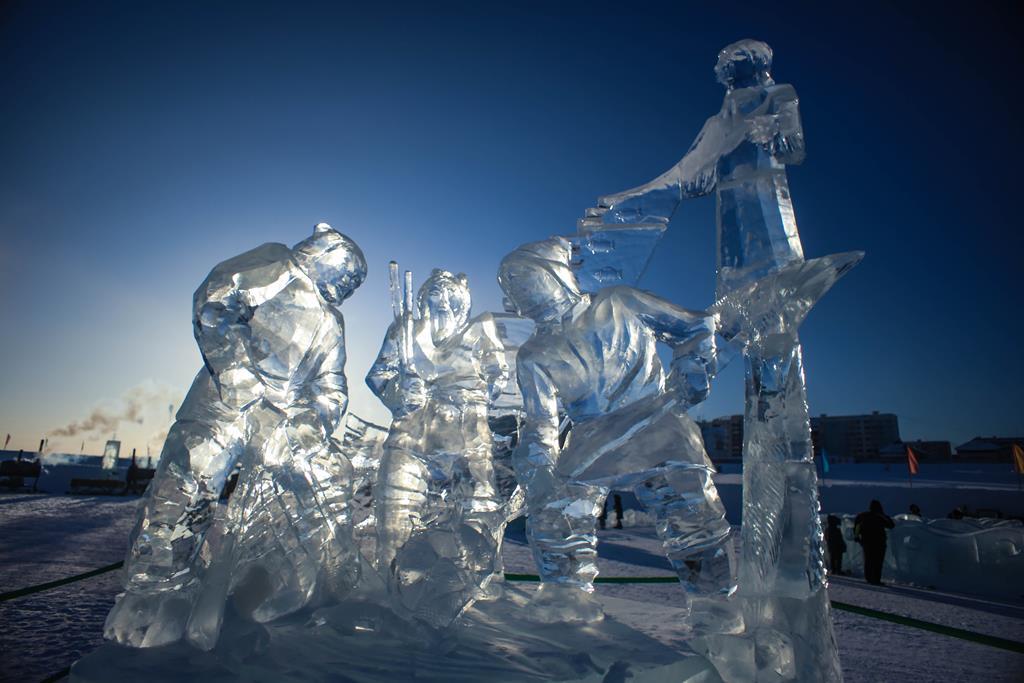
<point x="1001" y="643"/>
<point x="59" y="582"/>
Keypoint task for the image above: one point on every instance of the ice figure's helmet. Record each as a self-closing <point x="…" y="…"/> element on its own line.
<point x="538" y="279"/>
<point x="333" y="261"/>
<point x="447" y="299"/>
<point x="743" y="64"/>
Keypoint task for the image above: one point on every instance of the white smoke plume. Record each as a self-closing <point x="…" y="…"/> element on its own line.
<point x="142" y="404"/>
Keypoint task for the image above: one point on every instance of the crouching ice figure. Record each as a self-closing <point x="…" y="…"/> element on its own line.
<point x="594" y="358"/>
<point x="269" y="399"/>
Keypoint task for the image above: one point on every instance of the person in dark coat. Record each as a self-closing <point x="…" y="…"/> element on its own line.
<point x="617" y="499"/>
<point x="870" y="531"/>
<point x="836" y="543"/>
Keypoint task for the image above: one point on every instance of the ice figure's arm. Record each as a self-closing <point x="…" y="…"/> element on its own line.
<point x="535" y="457"/>
<point x="656" y="201"/>
<point x="328" y="392"/>
<point x="691" y="334"/>
<point x="671" y="324"/>
<point x="490" y="354"/>
<point x="385" y="377"/>
<point x="779" y="131"/>
<point x="221" y="327"/>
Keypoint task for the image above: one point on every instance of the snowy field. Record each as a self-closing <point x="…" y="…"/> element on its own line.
<point x="43" y="538"/>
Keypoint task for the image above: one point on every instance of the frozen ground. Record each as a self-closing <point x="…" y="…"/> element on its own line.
<point x="47" y="537"/>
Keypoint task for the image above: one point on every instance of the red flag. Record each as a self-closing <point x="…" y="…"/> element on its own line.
<point x="1018" y="458"/>
<point x="911" y="460"/>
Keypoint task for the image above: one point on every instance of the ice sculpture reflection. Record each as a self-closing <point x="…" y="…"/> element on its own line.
<point x="594" y="356"/>
<point x="439" y="516"/>
<point x="271" y="396"/>
<point x="766" y="288"/>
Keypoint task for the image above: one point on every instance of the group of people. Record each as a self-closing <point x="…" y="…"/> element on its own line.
<point x="870" y="531"/>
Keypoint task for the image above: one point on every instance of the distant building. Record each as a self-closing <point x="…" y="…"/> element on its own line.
<point x="854" y="437"/>
<point x="988" y="449"/>
<point x="846" y="438"/>
<point x="723" y="438"/>
<point x="926" y="451"/>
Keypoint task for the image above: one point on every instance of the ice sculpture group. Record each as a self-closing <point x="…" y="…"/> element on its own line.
<point x="598" y="411"/>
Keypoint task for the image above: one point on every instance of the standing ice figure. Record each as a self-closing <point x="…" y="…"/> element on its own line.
<point x="270" y="396"/>
<point x="439" y="516"/>
<point x="594" y="356"/>
<point x="766" y="288"/>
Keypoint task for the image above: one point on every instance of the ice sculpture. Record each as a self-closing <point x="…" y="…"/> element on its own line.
<point x="439" y="516"/>
<point x="270" y="397"/>
<point x="949" y="554"/>
<point x="766" y="288"/>
<point x="594" y="356"/>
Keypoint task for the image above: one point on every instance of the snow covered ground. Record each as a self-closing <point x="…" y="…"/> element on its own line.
<point x="43" y="538"/>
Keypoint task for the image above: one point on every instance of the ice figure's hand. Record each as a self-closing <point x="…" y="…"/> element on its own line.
<point x="424" y="352"/>
<point x="691" y="381"/>
<point x="775" y="137"/>
<point x="762" y="130"/>
<point x="306" y="429"/>
<point x="148" y="619"/>
<point x="414" y="393"/>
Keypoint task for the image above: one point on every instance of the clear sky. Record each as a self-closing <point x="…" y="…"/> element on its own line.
<point x="142" y="143"/>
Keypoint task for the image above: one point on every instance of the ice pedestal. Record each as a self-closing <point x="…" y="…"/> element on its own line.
<point x="359" y="641"/>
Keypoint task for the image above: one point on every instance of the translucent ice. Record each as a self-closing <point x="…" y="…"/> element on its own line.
<point x="270" y="397"/>
<point x="594" y="358"/>
<point x="765" y="289"/>
<point x="949" y="554"/>
<point x="438" y="512"/>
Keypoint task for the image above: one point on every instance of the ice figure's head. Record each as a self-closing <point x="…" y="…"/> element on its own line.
<point x="744" y="64"/>
<point x="445" y="297"/>
<point x="333" y="261"/>
<point x="538" y="279"/>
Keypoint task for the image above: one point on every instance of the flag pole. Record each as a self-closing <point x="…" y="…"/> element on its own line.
<point x="1018" y="461"/>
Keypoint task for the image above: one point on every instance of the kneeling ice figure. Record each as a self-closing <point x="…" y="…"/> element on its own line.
<point x="439" y="515"/>
<point x="594" y="356"/>
<point x="270" y="396"/>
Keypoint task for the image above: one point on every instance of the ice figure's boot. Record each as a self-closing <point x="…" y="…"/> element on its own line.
<point x="399" y="498"/>
<point x="562" y="530"/>
<point x="690" y="521"/>
<point x="481" y="509"/>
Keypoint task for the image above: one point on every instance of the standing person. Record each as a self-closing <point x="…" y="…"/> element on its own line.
<point x="869" y="530"/>
<point x="618" y="510"/>
<point x="836" y="543"/>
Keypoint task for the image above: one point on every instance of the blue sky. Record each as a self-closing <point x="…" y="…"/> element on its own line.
<point x="145" y="142"/>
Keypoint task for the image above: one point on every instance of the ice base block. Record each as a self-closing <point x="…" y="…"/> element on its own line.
<point x="494" y="641"/>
